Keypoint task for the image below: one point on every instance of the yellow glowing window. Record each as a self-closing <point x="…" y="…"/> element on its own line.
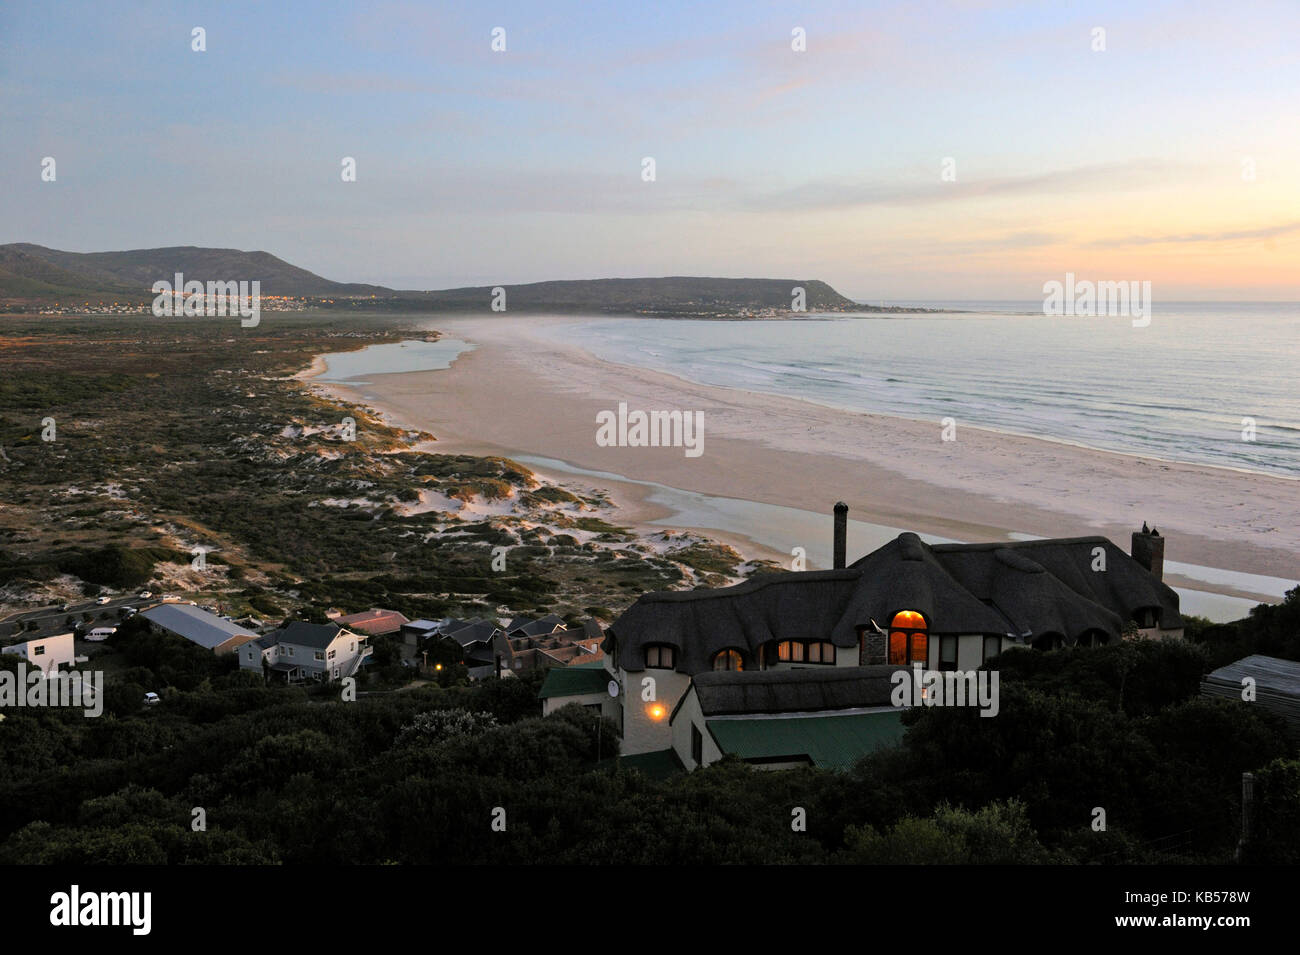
<point x="789" y="651"/>
<point x="728" y="660"/>
<point x="908" y="640"/>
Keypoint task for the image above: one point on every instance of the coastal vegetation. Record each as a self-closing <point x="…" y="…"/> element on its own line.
<point x="419" y="777"/>
<point x="200" y="441"/>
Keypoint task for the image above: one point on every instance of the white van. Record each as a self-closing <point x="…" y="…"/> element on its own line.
<point x="101" y="633"/>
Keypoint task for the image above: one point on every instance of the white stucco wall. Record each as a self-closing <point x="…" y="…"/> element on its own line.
<point x="689" y="715"/>
<point x="641" y="733"/>
<point x="59" y="651"/>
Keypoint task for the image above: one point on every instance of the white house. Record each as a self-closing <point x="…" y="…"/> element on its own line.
<point x="48" y="653"/>
<point x="307" y="651"/>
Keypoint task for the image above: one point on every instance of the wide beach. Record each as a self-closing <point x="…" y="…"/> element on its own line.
<point x="528" y="389"/>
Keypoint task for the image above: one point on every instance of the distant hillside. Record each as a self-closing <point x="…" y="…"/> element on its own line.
<point x="35" y="275"/>
<point x="33" y="270"/>
<point x="672" y="294"/>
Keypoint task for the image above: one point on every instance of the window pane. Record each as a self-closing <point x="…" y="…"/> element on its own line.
<point x="920" y="648"/>
<point x="992" y="646"/>
<point x="897" y="647"/>
<point x="948" y="649"/>
<point x="796" y="651"/>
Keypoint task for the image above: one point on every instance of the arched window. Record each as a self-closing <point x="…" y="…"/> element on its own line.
<point x="728" y="660"/>
<point x="908" y="639"/>
<point x="790" y="651"/>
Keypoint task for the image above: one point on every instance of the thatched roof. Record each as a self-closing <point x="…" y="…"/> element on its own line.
<point x="1023" y="590"/>
<point x="793" y="691"/>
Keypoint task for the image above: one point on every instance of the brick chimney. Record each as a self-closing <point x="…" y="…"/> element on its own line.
<point x="841" y="533"/>
<point x="1149" y="551"/>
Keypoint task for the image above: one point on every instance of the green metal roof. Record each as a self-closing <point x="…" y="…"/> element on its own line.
<point x="660" y="764"/>
<point x="573" y="681"/>
<point x="831" y="742"/>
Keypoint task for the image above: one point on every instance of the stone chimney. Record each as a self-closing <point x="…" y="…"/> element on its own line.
<point x="1149" y="551"/>
<point x="841" y="533"/>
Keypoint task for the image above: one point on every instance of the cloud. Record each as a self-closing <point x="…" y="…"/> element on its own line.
<point x="841" y="193"/>
<point x="1232" y="235"/>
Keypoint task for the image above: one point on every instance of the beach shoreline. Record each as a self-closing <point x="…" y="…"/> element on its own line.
<point x="523" y="393"/>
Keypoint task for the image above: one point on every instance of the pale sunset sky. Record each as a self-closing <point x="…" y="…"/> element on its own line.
<point x="1173" y="155"/>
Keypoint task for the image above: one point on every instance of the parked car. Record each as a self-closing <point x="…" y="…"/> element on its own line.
<point x="150" y="699"/>
<point x="102" y="600"/>
<point x="145" y="595"/>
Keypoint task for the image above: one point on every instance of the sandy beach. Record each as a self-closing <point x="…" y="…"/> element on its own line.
<point x="523" y="393"/>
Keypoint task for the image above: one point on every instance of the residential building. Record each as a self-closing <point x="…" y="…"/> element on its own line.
<point x="307" y="651"/>
<point x="946" y="606"/>
<point x="777" y="719"/>
<point x="373" y="622"/>
<point x="198" y="626"/>
<point x="49" y="653"/>
<point x="1272" y="683"/>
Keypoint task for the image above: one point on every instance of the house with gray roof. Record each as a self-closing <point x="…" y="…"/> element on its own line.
<point x="198" y="626"/>
<point x="307" y="651"/>
<point x="944" y="606"/>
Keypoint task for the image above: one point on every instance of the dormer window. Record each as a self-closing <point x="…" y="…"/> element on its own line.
<point x="728" y="660"/>
<point x="805" y="651"/>
<point x="660" y="656"/>
<point x="908" y="638"/>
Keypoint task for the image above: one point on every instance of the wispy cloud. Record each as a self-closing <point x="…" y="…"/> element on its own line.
<point x="1102" y="177"/>
<point x="1231" y="235"/>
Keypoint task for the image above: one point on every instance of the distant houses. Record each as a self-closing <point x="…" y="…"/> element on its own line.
<point x="373" y="622"/>
<point x="488" y="648"/>
<point x="204" y="629"/>
<point x="303" y="652"/>
<point x="48" y="653"/>
<point x="945" y="607"/>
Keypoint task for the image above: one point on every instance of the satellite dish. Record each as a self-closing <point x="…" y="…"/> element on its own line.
<point x="613" y="688"/>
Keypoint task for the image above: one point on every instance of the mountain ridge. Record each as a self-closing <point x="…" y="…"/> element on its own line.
<point x="36" y="274"/>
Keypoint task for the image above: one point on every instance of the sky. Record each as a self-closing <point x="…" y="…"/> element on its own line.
<point x="910" y="151"/>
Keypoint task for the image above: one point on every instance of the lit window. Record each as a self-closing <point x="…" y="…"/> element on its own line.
<point x="660" y="657"/>
<point x="908" y="641"/>
<point x="728" y="660"/>
<point x="789" y="651"/>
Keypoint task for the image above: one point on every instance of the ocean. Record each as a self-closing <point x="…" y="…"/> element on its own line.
<point x="1208" y="383"/>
